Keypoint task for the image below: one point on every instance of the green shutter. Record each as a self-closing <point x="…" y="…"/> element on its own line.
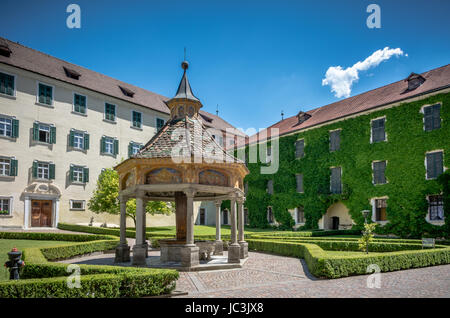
<point x="35" y="169"/>
<point x="85" y="175"/>
<point x="53" y="135"/>
<point x="86" y="141"/>
<point x="35" y="131"/>
<point x="15" y="128"/>
<point x="71" y="173"/>
<point x="71" y="138"/>
<point x="51" y="171"/>
<point x="130" y="149"/>
<point x="13" y="168"/>
<point x="116" y="146"/>
<point x="103" y="145"/>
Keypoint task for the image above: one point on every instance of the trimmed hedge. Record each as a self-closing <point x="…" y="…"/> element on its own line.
<point x="322" y="265"/>
<point x="42" y="278"/>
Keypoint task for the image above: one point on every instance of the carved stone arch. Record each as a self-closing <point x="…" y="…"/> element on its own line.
<point x="163" y="175"/>
<point x="127" y="181"/>
<point x="43" y="188"/>
<point x="213" y="176"/>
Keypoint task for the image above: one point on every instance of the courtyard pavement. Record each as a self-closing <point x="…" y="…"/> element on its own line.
<point x="266" y="275"/>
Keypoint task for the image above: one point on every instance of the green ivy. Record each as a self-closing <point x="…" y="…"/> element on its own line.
<point x="404" y="151"/>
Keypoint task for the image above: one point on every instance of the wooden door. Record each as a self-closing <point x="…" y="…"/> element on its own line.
<point x="41" y="213"/>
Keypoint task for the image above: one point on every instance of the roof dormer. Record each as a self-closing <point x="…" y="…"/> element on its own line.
<point x="4" y="48"/>
<point x="414" y="80"/>
<point x="302" y="116"/>
<point x="71" y="73"/>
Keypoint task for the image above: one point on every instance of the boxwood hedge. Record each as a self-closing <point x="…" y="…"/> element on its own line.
<point x="42" y="278"/>
<point x="322" y="265"/>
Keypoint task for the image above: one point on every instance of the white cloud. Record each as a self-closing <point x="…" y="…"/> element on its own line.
<point x="341" y="80"/>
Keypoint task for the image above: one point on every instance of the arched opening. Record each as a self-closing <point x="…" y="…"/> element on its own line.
<point x="336" y="218"/>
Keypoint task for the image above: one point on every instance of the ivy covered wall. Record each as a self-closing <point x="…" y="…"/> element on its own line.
<point x="404" y="151"/>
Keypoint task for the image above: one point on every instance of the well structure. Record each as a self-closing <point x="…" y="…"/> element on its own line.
<point x="182" y="163"/>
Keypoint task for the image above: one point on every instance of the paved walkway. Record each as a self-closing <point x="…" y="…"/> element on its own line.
<point x="265" y="275"/>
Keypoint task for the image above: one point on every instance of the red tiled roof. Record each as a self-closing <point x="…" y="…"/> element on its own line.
<point x="435" y="79"/>
<point x="44" y="64"/>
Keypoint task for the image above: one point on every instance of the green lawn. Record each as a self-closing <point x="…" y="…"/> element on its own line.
<point x="7" y="245"/>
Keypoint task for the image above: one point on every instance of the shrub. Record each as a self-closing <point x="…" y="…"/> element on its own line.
<point x="42" y="278"/>
<point x="322" y="265"/>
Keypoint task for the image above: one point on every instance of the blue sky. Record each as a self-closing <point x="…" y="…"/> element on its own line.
<point x="252" y="58"/>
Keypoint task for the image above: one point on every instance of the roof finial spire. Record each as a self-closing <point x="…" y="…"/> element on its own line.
<point x="282" y="115"/>
<point x="184" y="64"/>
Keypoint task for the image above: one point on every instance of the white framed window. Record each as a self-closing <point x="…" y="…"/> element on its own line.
<point x="5" y="167"/>
<point x="6" y="205"/>
<point x="44" y="94"/>
<point x="379" y="210"/>
<point x="78" y="140"/>
<point x="159" y="123"/>
<point x="378" y="130"/>
<point x="79" y="104"/>
<point x="78" y="205"/>
<point x="299" y="215"/>
<point x="7" y="84"/>
<point x="110" y="112"/>
<point x="431" y="117"/>
<point x="109" y="146"/>
<point x="136" y="119"/>
<point x="43" y="170"/>
<point x="6" y="126"/>
<point x="435" y="208"/>
<point x="78" y="174"/>
<point x="434" y="164"/>
<point x="44" y="133"/>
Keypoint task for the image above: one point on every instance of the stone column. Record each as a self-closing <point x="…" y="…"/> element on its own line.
<point x="26" y="221"/>
<point x="242" y="243"/>
<point x="139" y="249"/>
<point x="189" y="252"/>
<point x="218" y="250"/>
<point x="144" y="230"/>
<point x="190" y="217"/>
<point x="123" y="250"/>
<point x="234" y="247"/>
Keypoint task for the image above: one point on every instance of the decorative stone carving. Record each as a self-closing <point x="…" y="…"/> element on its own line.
<point x="163" y="175"/>
<point x="213" y="177"/>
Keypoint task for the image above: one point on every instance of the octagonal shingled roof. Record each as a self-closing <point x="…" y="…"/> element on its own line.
<point x="199" y="141"/>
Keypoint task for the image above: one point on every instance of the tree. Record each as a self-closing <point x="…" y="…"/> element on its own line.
<point x="367" y="237"/>
<point x="106" y="198"/>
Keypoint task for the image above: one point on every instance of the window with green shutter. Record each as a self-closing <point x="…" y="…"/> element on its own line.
<point x="109" y="146"/>
<point x="6" y="84"/>
<point x="43" y="170"/>
<point x="133" y="148"/>
<point x="44" y="133"/>
<point x="432" y="117"/>
<point x="8" y="167"/>
<point x="378" y="130"/>
<point x="435" y="166"/>
<point x="9" y="127"/>
<point x="379" y="168"/>
<point x="136" y="119"/>
<point x="79" y="104"/>
<point x="79" y="174"/>
<point x="336" y="184"/>
<point x="335" y="140"/>
<point x="299" y="148"/>
<point x="110" y="112"/>
<point x="45" y="94"/>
